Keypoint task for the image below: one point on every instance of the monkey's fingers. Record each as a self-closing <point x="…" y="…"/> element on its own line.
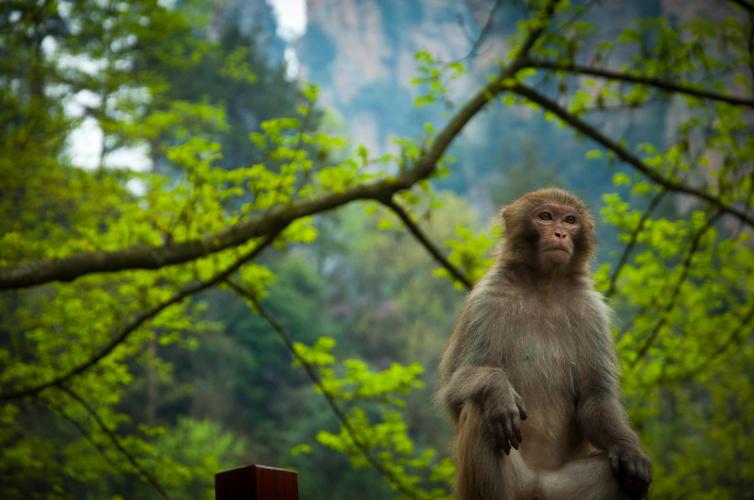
<point x="498" y="434"/>
<point x="633" y="476"/>
<point x="614" y="463"/>
<point x="516" y="424"/>
<point x="504" y="442"/>
<point x="510" y="433"/>
<point x="629" y="466"/>
<point x="644" y="470"/>
<point x="638" y="488"/>
<point x="521" y="409"/>
<point x="647" y="469"/>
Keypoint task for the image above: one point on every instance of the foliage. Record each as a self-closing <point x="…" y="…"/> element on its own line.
<point x="374" y="432"/>
<point x="141" y="379"/>
<point x="434" y="77"/>
<point x="191" y="454"/>
<point x="686" y="305"/>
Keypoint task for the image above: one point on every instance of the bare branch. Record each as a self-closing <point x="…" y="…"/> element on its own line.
<point x="625" y="155"/>
<point x="311" y="371"/>
<point x="665" y="85"/>
<point x="116" y="442"/>
<point x="424" y="240"/>
<point x="140" y="320"/>
<point x="632" y="243"/>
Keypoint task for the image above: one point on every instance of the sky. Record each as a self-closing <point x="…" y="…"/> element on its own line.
<point x="85" y="142"/>
<point x="291" y="17"/>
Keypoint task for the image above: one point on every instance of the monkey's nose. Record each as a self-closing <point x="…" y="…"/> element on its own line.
<point x="560" y="234"/>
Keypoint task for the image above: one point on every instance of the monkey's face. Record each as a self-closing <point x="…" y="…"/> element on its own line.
<point x="557" y="227"/>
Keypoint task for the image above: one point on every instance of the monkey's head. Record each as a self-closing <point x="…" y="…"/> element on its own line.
<point x="549" y="230"/>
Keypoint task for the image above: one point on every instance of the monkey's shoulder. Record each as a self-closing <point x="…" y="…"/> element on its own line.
<point x="581" y="300"/>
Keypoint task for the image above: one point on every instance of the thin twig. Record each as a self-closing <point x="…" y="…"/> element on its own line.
<point x="58" y="410"/>
<point x="632" y="243"/>
<point x="116" y="442"/>
<point x="624" y="154"/>
<point x="70" y="268"/>
<point x="428" y="245"/>
<point x="486" y="27"/>
<point x="686" y="267"/>
<point x="665" y="85"/>
<point x="140" y="320"/>
<point x="747" y="204"/>
<point x="317" y="381"/>
<point x="734" y="337"/>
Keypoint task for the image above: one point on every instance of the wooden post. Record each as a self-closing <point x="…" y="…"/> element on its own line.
<point x="256" y="482"/>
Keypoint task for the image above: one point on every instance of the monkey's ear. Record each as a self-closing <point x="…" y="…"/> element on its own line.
<point x="506" y="217"/>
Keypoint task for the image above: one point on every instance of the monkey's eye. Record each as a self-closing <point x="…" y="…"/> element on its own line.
<point x="571" y="219"/>
<point x="545" y="216"/>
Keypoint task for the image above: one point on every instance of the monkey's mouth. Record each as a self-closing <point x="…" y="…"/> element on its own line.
<point x="558" y="249"/>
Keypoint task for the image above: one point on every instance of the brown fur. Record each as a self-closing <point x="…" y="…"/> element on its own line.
<point x="534" y="341"/>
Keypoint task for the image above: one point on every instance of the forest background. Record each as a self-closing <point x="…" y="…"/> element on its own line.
<point x="253" y="269"/>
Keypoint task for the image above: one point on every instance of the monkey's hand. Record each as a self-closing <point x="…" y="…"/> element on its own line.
<point x="503" y="412"/>
<point x="632" y="468"/>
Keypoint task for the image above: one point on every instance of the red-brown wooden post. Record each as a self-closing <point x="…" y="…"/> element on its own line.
<point x="256" y="482"/>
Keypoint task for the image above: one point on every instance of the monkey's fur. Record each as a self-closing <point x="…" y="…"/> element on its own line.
<point x="530" y="375"/>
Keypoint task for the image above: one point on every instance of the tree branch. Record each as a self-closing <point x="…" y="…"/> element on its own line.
<point x="624" y="154"/>
<point x="311" y="371"/>
<point x="667" y="86"/>
<point x="424" y="240"/>
<point x="58" y="410"/>
<point x="686" y="267"/>
<point x="477" y="41"/>
<point x="632" y="243"/>
<point x="116" y="442"/>
<point x="734" y="337"/>
<point x="154" y="257"/>
<point x="140" y="320"/>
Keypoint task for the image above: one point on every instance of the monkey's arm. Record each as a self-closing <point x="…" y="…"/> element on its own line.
<point x="473" y="384"/>
<point x="470" y="374"/>
<point x="489" y="389"/>
<point x="603" y="421"/>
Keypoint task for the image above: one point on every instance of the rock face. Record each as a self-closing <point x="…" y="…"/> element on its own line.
<point x="361" y="52"/>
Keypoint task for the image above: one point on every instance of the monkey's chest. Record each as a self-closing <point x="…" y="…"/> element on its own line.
<point x="543" y="365"/>
<point x="543" y="356"/>
<point x="543" y="352"/>
<point x="542" y="335"/>
<point x="544" y="377"/>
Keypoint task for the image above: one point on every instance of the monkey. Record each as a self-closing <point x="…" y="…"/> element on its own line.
<point x="530" y="375"/>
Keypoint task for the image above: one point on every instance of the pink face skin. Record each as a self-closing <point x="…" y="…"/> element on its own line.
<point x="557" y="226"/>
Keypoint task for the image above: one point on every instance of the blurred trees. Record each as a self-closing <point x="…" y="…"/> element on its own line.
<point x="152" y="302"/>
